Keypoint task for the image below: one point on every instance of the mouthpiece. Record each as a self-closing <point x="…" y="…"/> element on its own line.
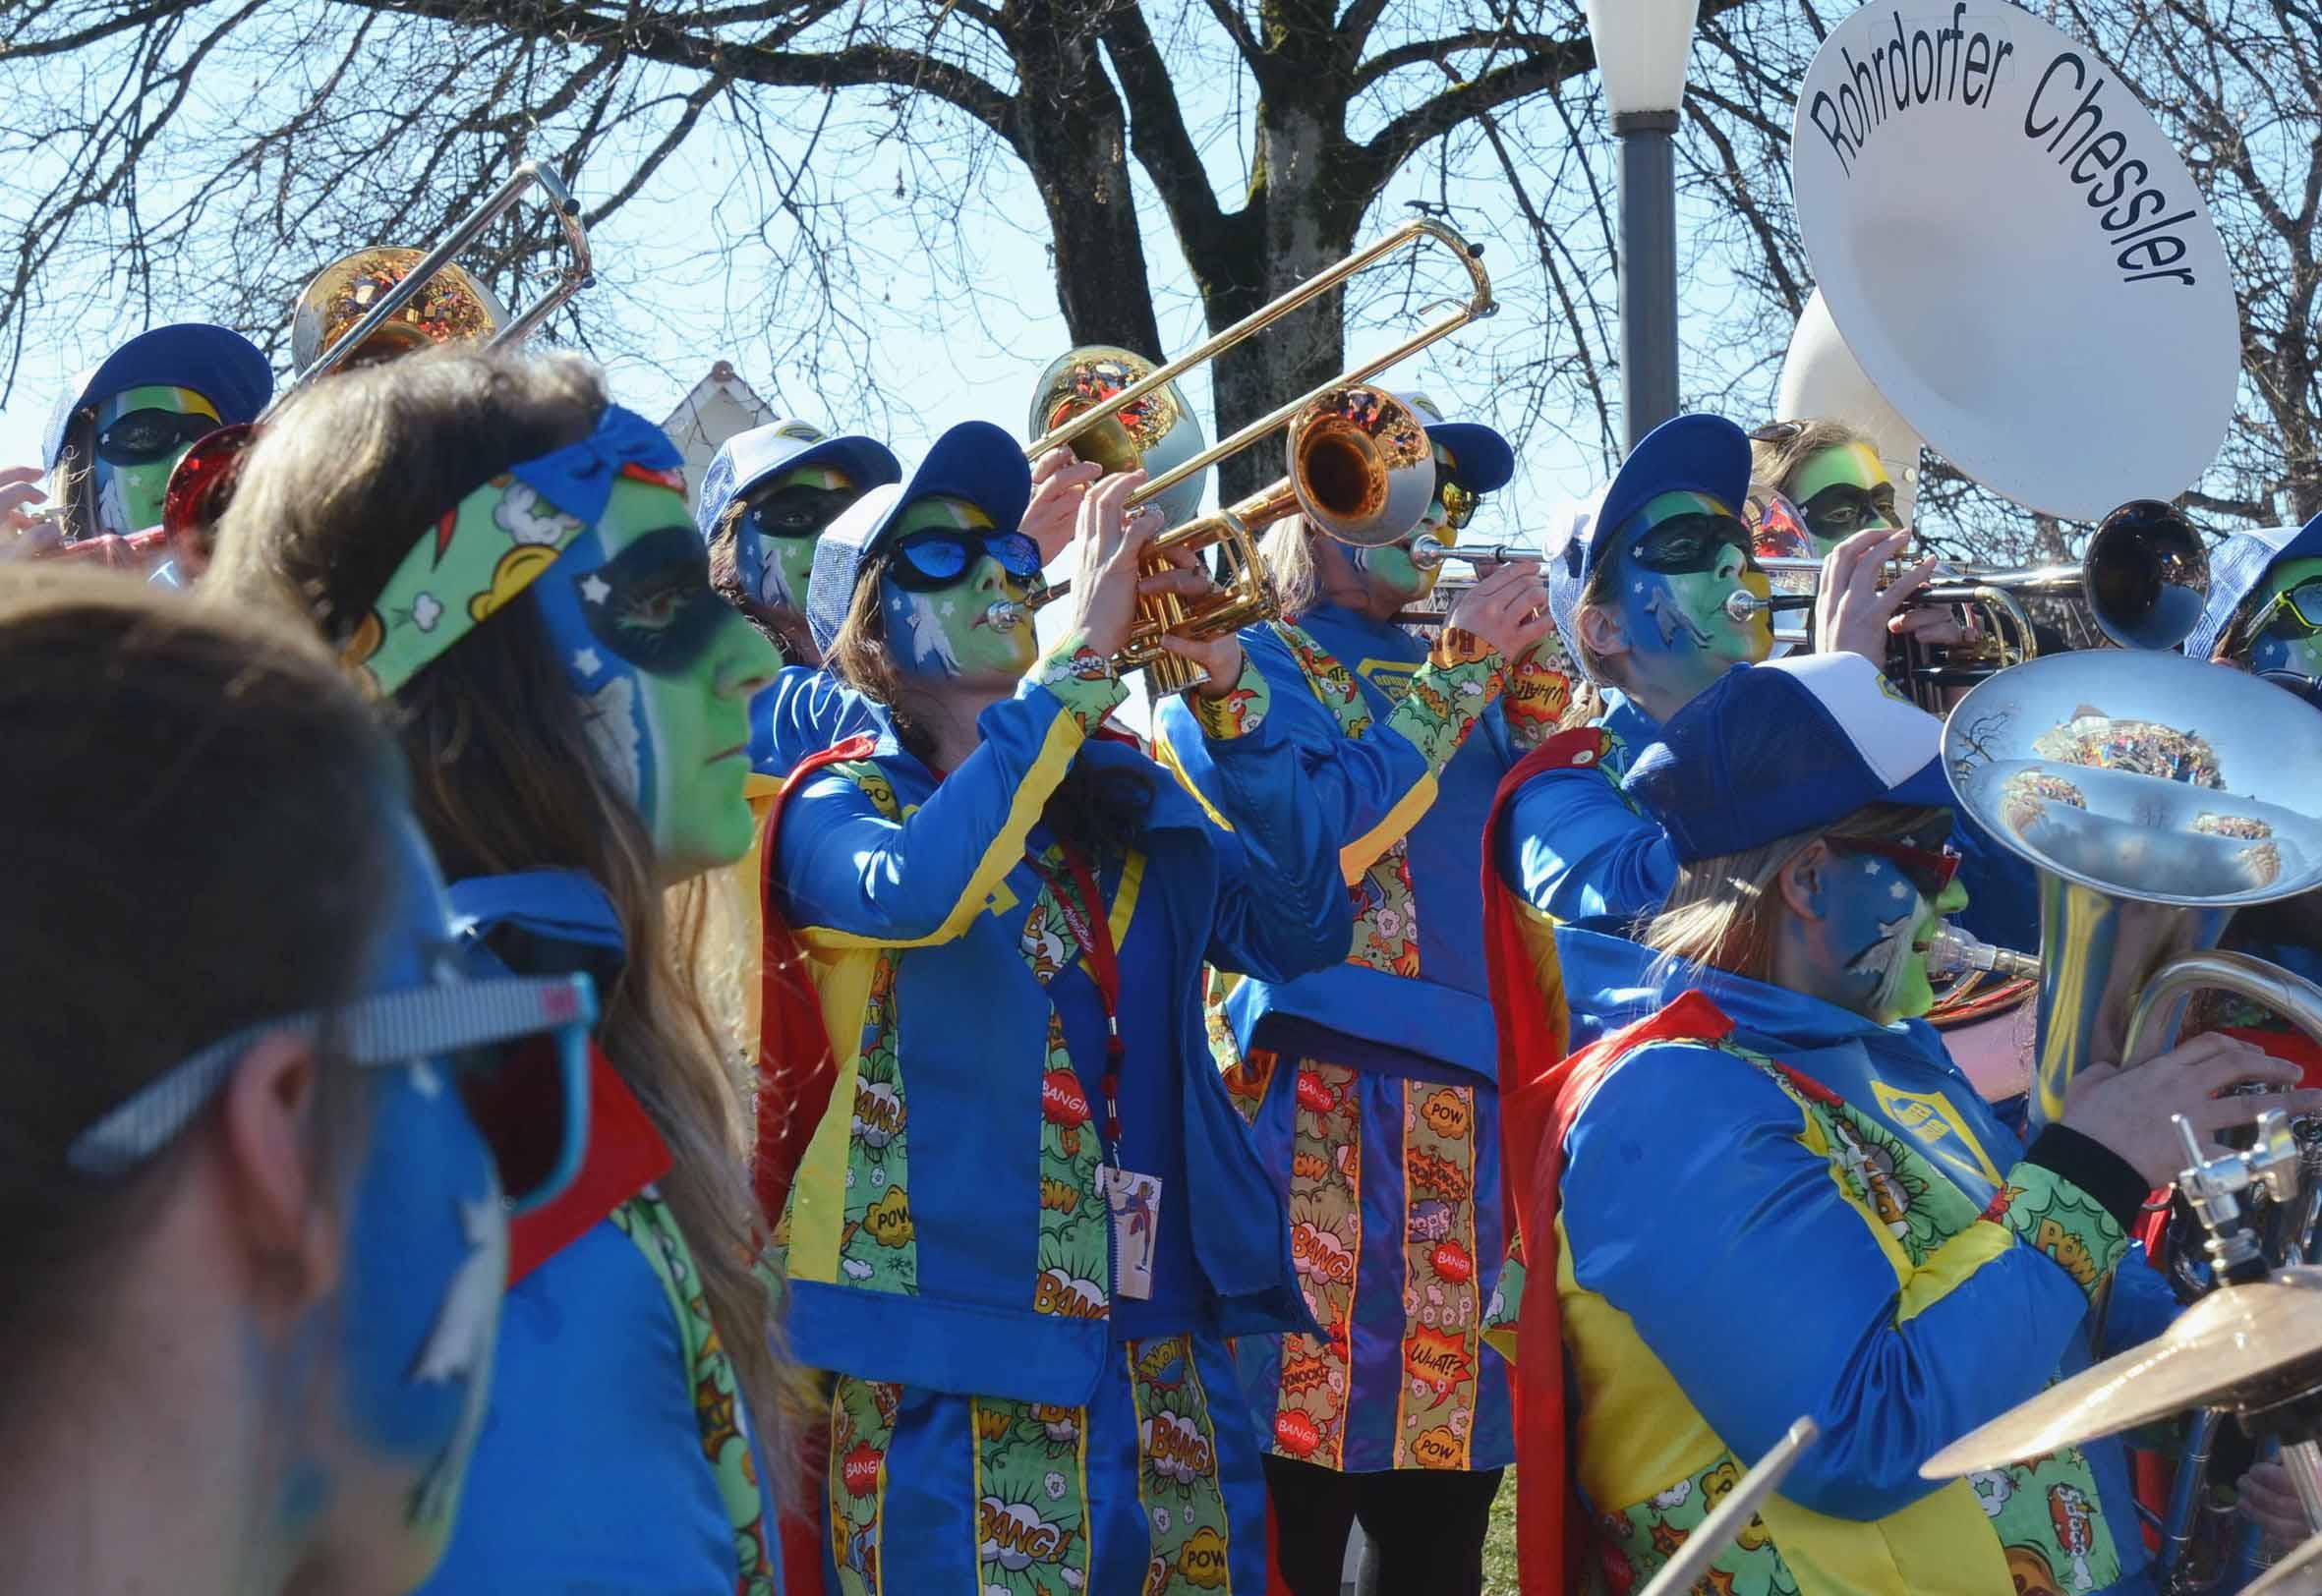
<point x="1954" y="951"/>
<point x="1741" y="603"/>
<point x="1427" y="552"/>
<point x="1006" y="615"/>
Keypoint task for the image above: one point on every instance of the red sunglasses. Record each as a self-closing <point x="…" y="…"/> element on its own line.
<point x="1931" y="869"/>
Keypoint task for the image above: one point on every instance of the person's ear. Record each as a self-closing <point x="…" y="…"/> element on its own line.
<point x="285" y="1214"/>
<point x="1601" y="631"/>
<point x="1802" y="879"/>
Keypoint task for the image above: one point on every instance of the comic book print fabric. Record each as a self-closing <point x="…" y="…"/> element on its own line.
<point x="1130" y="1493"/>
<point x="2044" y="1511"/>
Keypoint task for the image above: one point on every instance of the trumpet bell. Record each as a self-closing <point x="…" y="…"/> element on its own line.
<point x="1156" y="432"/>
<point x="1362" y="467"/>
<point x="2147" y="574"/>
<point x="453" y="307"/>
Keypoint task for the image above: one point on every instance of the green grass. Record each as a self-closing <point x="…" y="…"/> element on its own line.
<point x="1499" y="1542"/>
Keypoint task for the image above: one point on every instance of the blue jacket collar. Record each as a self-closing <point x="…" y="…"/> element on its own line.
<point x="1805" y="1023"/>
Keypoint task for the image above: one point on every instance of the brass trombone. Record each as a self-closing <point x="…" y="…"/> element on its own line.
<point x="360" y="305"/>
<point x="1358" y="461"/>
<point x="369" y="305"/>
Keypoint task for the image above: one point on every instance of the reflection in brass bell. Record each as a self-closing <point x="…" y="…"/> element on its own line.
<point x="1156" y="432"/>
<point x="453" y="307"/>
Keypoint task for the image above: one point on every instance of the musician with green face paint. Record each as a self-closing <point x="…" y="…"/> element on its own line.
<point x="120" y="430"/>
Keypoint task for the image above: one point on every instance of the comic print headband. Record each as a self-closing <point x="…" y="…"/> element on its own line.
<point x="487" y="549"/>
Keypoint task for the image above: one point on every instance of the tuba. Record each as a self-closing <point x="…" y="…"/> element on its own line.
<point x="1349" y="452"/>
<point x="2154" y="796"/>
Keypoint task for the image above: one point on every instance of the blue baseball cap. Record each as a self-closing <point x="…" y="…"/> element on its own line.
<point x="973" y="461"/>
<point x="1685" y="454"/>
<point x="216" y="362"/>
<point x="747" y="459"/>
<point x="2236" y="569"/>
<point x="1483" y="461"/>
<point x="1775" y="750"/>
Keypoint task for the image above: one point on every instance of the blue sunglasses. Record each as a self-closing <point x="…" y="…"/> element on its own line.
<point x="927" y="560"/>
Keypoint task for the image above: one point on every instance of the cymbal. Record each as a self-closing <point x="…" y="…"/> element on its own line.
<point x="2297" y="1574"/>
<point x="2231" y="1337"/>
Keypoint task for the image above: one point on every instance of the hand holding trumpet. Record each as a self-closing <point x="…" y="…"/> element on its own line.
<point x="1854" y="614"/>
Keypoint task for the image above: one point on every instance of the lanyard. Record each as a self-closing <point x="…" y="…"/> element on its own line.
<point x="1095" y="933"/>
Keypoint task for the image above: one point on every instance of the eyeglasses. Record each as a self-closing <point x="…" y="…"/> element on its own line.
<point x="1844" y="508"/>
<point x="517" y="1049"/>
<point x="798" y="511"/>
<point x="1775" y="433"/>
<point x="1459" y="504"/>
<point x="149" y="435"/>
<point x="1931" y="869"/>
<point x="927" y="560"/>
<point x="2303" y="606"/>
<point x="1688" y="542"/>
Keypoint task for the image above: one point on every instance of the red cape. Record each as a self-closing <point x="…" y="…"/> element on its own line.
<point x="1534" y="1028"/>
<point x="796" y="1066"/>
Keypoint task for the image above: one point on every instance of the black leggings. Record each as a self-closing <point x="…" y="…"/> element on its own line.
<point x="1425" y="1527"/>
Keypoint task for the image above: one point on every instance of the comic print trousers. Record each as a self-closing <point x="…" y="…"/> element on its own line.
<point x="1153" y="1488"/>
<point x="1397" y="1234"/>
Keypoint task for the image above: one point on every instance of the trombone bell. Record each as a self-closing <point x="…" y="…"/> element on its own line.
<point x="1158" y="431"/>
<point x="450" y="308"/>
<point x="1361" y="467"/>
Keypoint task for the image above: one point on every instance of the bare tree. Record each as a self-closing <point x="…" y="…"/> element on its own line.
<point x="213" y="152"/>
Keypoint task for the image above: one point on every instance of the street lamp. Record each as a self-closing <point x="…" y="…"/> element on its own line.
<point x="1641" y="50"/>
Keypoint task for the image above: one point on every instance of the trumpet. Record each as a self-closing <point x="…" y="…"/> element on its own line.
<point x="1360" y="468"/>
<point x="1359" y="462"/>
<point x="2143" y="582"/>
<point x="1431" y="554"/>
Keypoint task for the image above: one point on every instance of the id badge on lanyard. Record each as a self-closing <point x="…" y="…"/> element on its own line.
<point x="1132" y="1198"/>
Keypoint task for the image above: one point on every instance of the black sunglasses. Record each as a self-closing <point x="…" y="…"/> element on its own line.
<point x="927" y="560"/>
<point x="798" y="511"/>
<point x="149" y="435"/>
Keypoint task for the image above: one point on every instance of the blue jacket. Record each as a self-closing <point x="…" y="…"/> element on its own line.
<point x="925" y="1257"/>
<point x="1791" y="1209"/>
<point x="1575" y="847"/>
<point x="802" y="710"/>
<point x="590" y="1471"/>
<point x="1404" y="781"/>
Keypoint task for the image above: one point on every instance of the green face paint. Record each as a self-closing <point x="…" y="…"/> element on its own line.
<point x="140" y="435"/>
<point x="661" y="667"/>
<point x="2282" y="641"/>
<point x="1389" y="571"/>
<point x="1912" y="993"/>
<point x="786" y="518"/>
<point x="1842" y="490"/>
<point x="1675" y="621"/>
<point x="945" y="631"/>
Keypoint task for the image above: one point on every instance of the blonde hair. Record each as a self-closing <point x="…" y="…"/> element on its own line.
<point x="1722" y="913"/>
<point x="1774" y="464"/>
<point x="1288" y="549"/>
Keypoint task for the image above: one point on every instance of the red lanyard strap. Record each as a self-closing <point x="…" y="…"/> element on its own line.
<point x="1095" y="933"/>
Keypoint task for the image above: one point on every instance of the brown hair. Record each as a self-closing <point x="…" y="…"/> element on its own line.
<point x="1722" y="912"/>
<point x="1774" y="461"/>
<point x="330" y="501"/>
<point x="725" y="575"/>
<point x="196" y="836"/>
<point x="1097" y="812"/>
